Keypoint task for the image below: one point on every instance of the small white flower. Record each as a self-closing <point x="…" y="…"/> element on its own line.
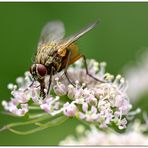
<point x="70" y="109"/>
<point x="59" y="88"/>
<point x="71" y="91"/>
<point x="85" y="107"/>
<point x="122" y="123"/>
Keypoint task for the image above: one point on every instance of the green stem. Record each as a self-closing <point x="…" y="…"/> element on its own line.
<point x="46" y="116"/>
<point x="33" y="116"/>
<point x="55" y="122"/>
<point x="84" y="122"/>
<point x="34" y="108"/>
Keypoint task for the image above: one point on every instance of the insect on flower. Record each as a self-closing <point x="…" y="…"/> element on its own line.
<point x="56" y="53"/>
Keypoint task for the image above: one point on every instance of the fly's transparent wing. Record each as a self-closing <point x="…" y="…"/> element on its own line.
<point x="52" y="31"/>
<point x="67" y="41"/>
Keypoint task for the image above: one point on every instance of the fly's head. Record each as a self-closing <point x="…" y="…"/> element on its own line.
<point x="38" y="71"/>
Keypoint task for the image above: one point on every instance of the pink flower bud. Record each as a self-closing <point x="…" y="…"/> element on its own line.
<point x="70" y="109"/>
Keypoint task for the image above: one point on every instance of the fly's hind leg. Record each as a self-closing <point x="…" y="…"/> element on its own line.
<point x="87" y="72"/>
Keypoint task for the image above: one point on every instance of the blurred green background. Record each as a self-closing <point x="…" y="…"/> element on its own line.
<point x="123" y="31"/>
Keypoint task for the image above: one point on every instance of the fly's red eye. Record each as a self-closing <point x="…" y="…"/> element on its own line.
<point x="41" y="69"/>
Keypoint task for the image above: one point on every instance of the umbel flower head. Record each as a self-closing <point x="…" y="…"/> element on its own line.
<point x="90" y="101"/>
<point x="133" y="135"/>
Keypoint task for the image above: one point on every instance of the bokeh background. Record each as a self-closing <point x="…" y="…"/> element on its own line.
<point x="123" y="32"/>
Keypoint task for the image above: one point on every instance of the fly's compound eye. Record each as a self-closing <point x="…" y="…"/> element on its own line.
<point x="41" y="70"/>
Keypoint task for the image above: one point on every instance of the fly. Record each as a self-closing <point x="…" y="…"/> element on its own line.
<point x="55" y="53"/>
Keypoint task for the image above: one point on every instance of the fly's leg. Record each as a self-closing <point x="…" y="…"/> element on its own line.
<point x="50" y="79"/>
<point x="87" y="72"/>
<point x="30" y="85"/>
<point x="66" y="67"/>
<point x="42" y="87"/>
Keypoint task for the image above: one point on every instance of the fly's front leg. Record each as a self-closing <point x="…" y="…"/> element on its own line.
<point x="42" y="84"/>
<point x="87" y="72"/>
<point x="50" y="79"/>
<point x="30" y="85"/>
<point x="66" y="67"/>
<point x="42" y="87"/>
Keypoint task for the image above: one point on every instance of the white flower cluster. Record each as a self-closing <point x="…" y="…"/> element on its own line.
<point x="93" y="137"/>
<point x="90" y="100"/>
<point x="137" y="77"/>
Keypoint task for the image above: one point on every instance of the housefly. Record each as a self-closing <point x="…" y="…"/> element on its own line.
<point x="55" y="53"/>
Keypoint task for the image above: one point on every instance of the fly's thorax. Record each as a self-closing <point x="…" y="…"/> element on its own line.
<point x="56" y="62"/>
<point x="53" y="61"/>
<point x="45" y="53"/>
